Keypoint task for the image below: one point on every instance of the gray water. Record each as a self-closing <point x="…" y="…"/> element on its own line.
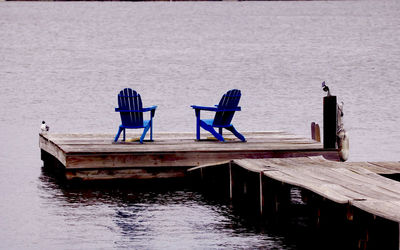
<point x="65" y="63"/>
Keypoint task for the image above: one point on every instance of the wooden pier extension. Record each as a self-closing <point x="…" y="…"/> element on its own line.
<point x="95" y="156"/>
<point x="354" y="192"/>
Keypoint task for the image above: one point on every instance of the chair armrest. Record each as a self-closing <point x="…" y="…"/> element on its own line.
<point x="204" y="108"/>
<point x="216" y="109"/>
<point x="149" y="108"/>
<point x="152" y="109"/>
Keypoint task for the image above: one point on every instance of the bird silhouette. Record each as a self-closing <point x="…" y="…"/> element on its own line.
<point x="325" y="88"/>
<point x="44" y="127"/>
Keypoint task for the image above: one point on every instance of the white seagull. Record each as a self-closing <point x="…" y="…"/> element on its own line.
<point x="44" y="127"/>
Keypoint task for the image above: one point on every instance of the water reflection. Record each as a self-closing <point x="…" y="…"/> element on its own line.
<point x="155" y="215"/>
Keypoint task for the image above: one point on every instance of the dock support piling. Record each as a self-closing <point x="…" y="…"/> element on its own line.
<point x="261" y="193"/>
<point x="330" y="121"/>
<point x="349" y="213"/>
<point x="230" y="181"/>
<point x="276" y="207"/>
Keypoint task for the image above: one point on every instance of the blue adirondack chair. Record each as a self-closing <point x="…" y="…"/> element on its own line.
<point x="131" y="111"/>
<point x="223" y="116"/>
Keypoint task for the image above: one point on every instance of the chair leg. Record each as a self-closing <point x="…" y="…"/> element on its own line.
<point x="236" y="133"/>
<point x="124" y="134"/>
<point x="211" y="130"/>
<point x="220" y="131"/>
<point x="144" y="133"/>
<point x="151" y="129"/>
<point x="118" y="134"/>
<point x="198" y="131"/>
<point x="197" y="125"/>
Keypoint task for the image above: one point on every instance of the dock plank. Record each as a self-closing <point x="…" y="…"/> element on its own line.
<point x="387" y="167"/>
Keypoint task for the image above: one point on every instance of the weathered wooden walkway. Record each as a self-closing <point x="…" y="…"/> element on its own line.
<point x="95" y="156"/>
<point x="353" y="195"/>
<point x="355" y="183"/>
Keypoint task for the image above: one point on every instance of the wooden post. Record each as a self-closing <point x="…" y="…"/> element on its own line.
<point x="276" y="203"/>
<point x="261" y="194"/>
<point x="330" y="121"/>
<point x="230" y="181"/>
<point x="313" y="130"/>
<point x="349" y="212"/>
<point x="363" y="243"/>
<point x="315" y="133"/>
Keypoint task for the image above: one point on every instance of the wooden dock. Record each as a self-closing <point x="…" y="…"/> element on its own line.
<point x="353" y="192"/>
<point x="95" y="156"/>
<point x="264" y="170"/>
<point x="355" y="183"/>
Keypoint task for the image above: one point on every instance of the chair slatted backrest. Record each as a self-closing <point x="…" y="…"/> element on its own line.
<point x="229" y="100"/>
<point x="129" y="99"/>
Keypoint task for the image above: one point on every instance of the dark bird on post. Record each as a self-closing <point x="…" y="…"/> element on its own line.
<point x="326" y="88"/>
<point x="44" y="127"/>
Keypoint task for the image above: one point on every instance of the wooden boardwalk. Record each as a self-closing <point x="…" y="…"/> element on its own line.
<point x="355" y="183"/>
<point x="95" y="156"/>
<point x="350" y="201"/>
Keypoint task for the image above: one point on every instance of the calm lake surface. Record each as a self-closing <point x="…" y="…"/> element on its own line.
<point x="65" y="63"/>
